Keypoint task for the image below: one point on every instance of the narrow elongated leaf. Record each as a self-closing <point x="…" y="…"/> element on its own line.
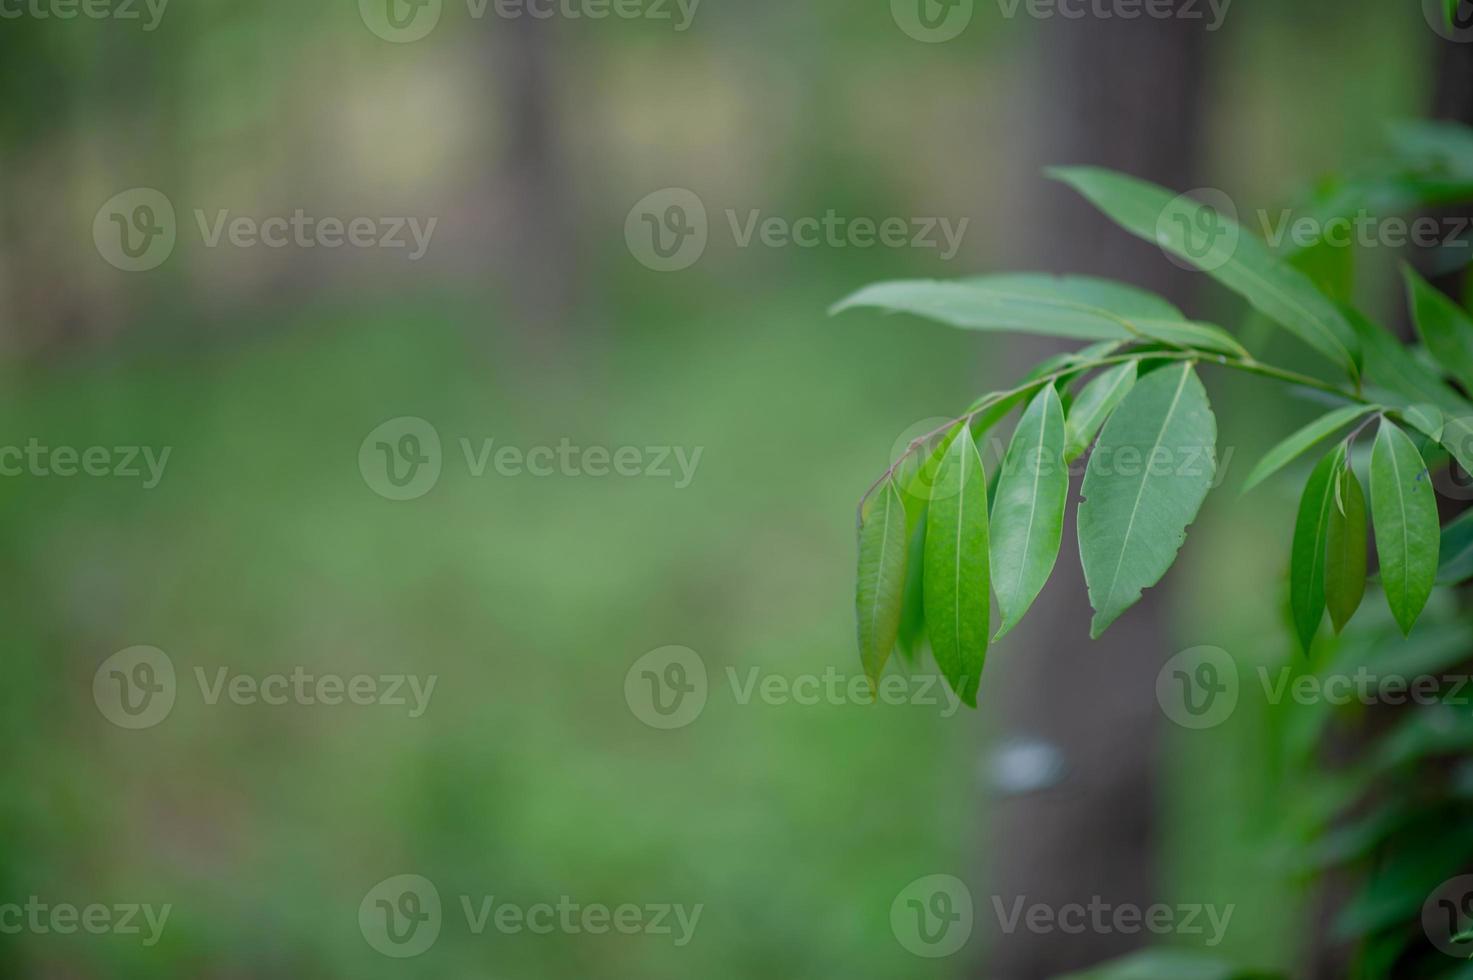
<point x="1404" y="511"/>
<point x="1304" y="440"/>
<point x="1028" y="509"/>
<point x="1145" y="483"/>
<point x="1076" y="307"/>
<point x="1345" y="551"/>
<point x="1095" y="403"/>
<point x="881" y="592"/>
<point x="957" y="594"/>
<point x="912" y="631"/>
<point x="1444" y="327"/>
<point x="1311" y="539"/>
<point x="1226" y="251"/>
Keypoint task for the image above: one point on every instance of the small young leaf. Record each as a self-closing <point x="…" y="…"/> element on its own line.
<point x="1404" y="511"/>
<point x="1095" y="403"/>
<point x="957" y="594"/>
<point x="1307" y="554"/>
<point x="1305" y="439"/>
<point x="1444" y="327"/>
<point x="1345" y="547"/>
<point x="1028" y="508"/>
<point x="1145" y="483"/>
<point x="881" y="592"/>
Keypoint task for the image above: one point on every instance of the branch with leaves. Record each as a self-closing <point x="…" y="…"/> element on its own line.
<point x="939" y="539"/>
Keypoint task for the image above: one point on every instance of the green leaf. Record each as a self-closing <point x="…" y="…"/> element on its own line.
<point x="912" y="630"/>
<point x="1075" y="307"/>
<point x="881" y="592"/>
<point x="1393" y="365"/>
<point x="1404" y="510"/>
<point x="957" y="595"/>
<point x="1444" y="327"/>
<point x="1095" y="403"/>
<point x="1305" y="439"/>
<point x="1426" y="419"/>
<point x="1231" y="255"/>
<point x="1307" y="554"/>
<point x="1145" y="483"/>
<point x="1345" y="547"/>
<point x="1456" y="550"/>
<point x="1028" y="510"/>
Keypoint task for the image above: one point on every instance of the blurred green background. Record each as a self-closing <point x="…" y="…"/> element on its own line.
<point x="264" y="549"/>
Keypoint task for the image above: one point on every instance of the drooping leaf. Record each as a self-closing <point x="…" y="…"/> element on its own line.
<point x="1145" y="483"/>
<point x="956" y="586"/>
<point x="1404" y="511"/>
<point x="1224" y="250"/>
<point x="881" y="591"/>
<point x="1345" y="551"/>
<point x="1028" y="509"/>
<point x="1307" y="554"/>
<point x="1095" y="403"/>
<point x="1075" y="307"/>
<point x="912" y="631"/>
<point x="1443" y="326"/>
<point x="1305" y="439"/>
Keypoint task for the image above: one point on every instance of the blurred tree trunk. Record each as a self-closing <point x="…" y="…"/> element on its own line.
<point x="1127" y="95"/>
<point x="536" y="240"/>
